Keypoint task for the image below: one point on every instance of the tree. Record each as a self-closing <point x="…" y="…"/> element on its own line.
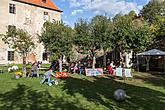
<point x="153" y="10"/>
<point x="131" y="34"/>
<point x="20" y="41"/>
<point x="93" y="35"/>
<point x="82" y="36"/>
<point x="154" y="13"/>
<point x="57" y="38"/>
<point x="102" y="29"/>
<point x="122" y="32"/>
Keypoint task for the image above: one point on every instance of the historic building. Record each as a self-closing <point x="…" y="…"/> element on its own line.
<point x="29" y="15"/>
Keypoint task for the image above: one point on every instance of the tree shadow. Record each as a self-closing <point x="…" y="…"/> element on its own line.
<point x="24" y="98"/>
<point x="152" y="78"/>
<point x="100" y="91"/>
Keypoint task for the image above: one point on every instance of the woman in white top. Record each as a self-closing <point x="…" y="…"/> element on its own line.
<point x="113" y="67"/>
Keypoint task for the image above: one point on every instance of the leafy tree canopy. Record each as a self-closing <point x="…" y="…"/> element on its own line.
<point x="131" y="33"/>
<point x="154" y="13"/>
<point x="19" y="40"/>
<point x="57" y="38"/>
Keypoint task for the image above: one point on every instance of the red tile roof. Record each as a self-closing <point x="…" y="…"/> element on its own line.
<point x="48" y="4"/>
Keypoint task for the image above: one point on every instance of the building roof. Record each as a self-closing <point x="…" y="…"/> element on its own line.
<point x="153" y="52"/>
<point x="48" y="4"/>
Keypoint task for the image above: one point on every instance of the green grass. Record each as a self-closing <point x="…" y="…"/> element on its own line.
<point x="144" y="92"/>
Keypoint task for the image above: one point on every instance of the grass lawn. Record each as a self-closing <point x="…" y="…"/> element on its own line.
<point x="145" y="92"/>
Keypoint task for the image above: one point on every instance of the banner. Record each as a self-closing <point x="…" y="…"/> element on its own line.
<point x="94" y="72"/>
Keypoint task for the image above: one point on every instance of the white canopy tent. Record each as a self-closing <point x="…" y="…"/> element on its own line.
<point x="148" y="54"/>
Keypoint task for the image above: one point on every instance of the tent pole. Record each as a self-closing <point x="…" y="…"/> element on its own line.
<point x="164" y="64"/>
<point x="148" y="60"/>
<point x="137" y="59"/>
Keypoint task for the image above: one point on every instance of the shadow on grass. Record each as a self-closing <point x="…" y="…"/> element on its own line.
<point x="24" y="98"/>
<point x="152" y="78"/>
<point x="83" y="93"/>
<point x="100" y="91"/>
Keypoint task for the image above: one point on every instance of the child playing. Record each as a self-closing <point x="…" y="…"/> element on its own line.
<point x="47" y="77"/>
<point x="35" y="70"/>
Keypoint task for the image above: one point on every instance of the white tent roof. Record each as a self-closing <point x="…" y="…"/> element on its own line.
<point x="153" y="52"/>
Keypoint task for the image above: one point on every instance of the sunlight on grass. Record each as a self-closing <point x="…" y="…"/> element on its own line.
<point x="78" y="92"/>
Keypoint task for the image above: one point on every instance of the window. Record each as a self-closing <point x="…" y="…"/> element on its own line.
<point x="45" y="56"/>
<point x="45" y="13"/>
<point x="44" y="1"/>
<point x="10" y="55"/>
<point x="54" y="20"/>
<point x="46" y="17"/>
<point x="12" y="8"/>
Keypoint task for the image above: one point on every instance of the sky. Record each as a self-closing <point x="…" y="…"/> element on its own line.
<point x="86" y="9"/>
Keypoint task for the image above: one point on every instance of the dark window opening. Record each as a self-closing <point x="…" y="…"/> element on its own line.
<point x="45" y="56"/>
<point x="12" y="8"/>
<point x="44" y="1"/>
<point x="46" y="16"/>
<point x="45" y="13"/>
<point x="10" y="55"/>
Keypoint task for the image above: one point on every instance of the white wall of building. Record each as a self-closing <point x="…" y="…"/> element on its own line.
<point x="28" y="17"/>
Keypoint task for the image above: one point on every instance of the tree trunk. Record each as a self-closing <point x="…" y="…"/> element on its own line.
<point x="122" y="59"/>
<point x="148" y="60"/>
<point x="94" y="62"/>
<point x="104" y="59"/>
<point x="24" y="65"/>
<point x="122" y="56"/>
<point x="60" y="64"/>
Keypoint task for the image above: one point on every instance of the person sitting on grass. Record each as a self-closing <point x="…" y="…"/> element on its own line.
<point x="47" y="77"/>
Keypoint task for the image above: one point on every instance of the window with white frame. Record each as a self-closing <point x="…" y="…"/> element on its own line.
<point x="12" y="8"/>
<point x="10" y="55"/>
<point x="46" y="16"/>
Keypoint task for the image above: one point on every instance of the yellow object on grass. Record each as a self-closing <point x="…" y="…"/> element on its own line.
<point x="18" y="73"/>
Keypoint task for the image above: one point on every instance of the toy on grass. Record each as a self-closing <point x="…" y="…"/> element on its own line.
<point x="119" y="95"/>
<point x="53" y="82"/>
<point x="18" y="74"/>
<point x="13" y="68"/>
<point x="63" y="74"/>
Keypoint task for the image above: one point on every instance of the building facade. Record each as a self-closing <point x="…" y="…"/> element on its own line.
<point x="29" y="15"/>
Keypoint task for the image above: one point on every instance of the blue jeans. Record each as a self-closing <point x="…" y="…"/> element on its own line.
<point x="81" y="71"/>
<point x="46" y="79"/>
<point x="36" y="71"/>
